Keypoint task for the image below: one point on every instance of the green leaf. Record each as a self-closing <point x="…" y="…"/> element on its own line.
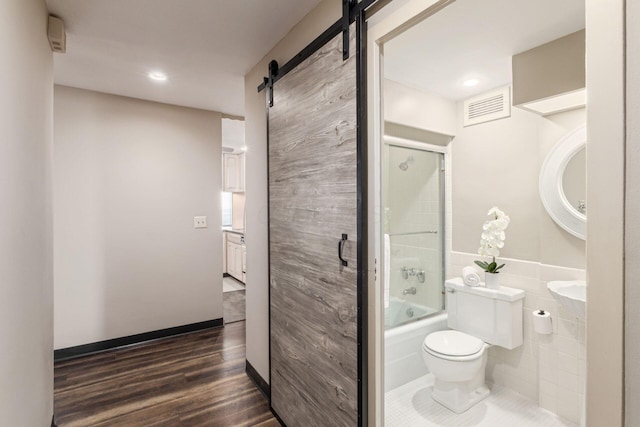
<point x="483" y="265"/>
<point x="499" y="267"/>
<point x="492" y="267"/>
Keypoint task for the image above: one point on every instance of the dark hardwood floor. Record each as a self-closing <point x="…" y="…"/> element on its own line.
<point x="193" y="380"/>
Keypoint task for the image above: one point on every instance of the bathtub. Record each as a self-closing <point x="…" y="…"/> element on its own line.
<point x="403" y="347"/>
<point x="402" y="311"/>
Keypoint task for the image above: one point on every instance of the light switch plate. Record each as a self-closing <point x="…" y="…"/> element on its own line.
<point x="199" y="222"/>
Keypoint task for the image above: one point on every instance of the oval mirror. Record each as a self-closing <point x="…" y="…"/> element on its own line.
<point x="563" y="183"/>
<point x="574" y="181"/>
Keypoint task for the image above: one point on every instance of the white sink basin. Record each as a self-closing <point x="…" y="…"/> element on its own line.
<point x="571" y="294"/>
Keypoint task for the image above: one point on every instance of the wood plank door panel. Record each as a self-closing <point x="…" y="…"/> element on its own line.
<point x="312" y="202"/>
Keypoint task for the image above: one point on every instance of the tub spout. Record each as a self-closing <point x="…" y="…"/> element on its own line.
<point x="412" y="290"/>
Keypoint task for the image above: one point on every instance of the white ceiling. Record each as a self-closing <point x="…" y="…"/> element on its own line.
<point x="476" y="39"/>
<point x="204" y="46"/>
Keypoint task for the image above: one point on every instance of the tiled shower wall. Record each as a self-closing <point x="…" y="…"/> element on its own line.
<point x="549" y="369"/>
<point x="420" y="252"/>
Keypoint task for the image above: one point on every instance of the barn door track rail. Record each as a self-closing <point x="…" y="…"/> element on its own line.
<point x="351" y="10"/>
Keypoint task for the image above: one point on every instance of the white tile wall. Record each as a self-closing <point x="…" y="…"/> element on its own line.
<point x="413" y="195"/>
<point x="549" y="369"/>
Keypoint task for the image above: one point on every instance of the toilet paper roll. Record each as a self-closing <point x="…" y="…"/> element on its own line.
<point x="542" y="322"/>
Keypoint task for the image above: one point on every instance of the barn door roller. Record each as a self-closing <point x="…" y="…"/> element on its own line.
<point x="351" y="9"/>
<point x="346" y="11"/>
<point x="269" y="81"/>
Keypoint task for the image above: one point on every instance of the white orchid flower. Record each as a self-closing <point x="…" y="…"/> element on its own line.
<point x="492" y="238"/>
<point x="501" y="223"/>
<point x="494" y="211"/>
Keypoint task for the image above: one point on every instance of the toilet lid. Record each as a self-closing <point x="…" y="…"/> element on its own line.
<point x="453" y="343"/>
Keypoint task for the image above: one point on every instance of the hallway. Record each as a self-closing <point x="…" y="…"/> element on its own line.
<point x="196" y="379"/>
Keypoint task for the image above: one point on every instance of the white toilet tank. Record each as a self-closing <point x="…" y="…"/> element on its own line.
<point x="493" y="315"/>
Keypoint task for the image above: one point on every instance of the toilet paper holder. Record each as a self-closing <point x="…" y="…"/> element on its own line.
<point x="542" y="322"/>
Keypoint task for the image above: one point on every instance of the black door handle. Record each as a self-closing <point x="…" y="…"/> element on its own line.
<point x="340" y="247"/>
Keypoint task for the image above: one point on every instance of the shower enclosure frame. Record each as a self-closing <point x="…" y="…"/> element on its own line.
<point x="445" y="205"/>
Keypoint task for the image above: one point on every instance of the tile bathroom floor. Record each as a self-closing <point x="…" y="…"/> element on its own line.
<point x="411" y="405"/>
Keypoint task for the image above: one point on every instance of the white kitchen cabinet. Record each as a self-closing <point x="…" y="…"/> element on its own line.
<point x="244" y="264"/>
<point x="232" y="268"/>
<point x="233" y="172"/>
<point x="224" y="253"/>
<point x="236" y="257"/>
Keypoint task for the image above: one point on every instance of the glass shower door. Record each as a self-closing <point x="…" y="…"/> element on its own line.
<point x="413" y="197"/>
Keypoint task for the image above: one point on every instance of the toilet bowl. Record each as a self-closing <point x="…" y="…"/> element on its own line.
<point x="478" y="318"/>
<point x="457" y="362"/>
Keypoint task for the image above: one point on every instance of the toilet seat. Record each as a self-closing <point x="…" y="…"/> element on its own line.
<point x="453" y="345"/>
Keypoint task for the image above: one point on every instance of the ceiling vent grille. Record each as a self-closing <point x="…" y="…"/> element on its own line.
<point x="492" y="105"/>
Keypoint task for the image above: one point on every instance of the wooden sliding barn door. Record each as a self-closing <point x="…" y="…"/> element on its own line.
<point x="313" y="215"/>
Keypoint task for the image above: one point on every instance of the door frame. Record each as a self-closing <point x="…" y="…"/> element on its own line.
<point x="383" y="27"/>
<point x="605" y="392"/>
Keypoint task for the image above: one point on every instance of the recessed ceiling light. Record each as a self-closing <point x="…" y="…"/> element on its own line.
<point x="158" y="76"/>
<point x="471" y="82"/>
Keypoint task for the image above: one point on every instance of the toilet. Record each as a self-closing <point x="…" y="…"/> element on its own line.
<point x="457" y="358"/>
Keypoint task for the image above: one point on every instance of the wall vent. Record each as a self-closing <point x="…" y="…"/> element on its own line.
<point x="492" y="105"/>
<point x="56" y="34"/>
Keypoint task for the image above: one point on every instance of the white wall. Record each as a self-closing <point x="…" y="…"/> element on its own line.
<point x="256" y="232"/>
<point x="129" y="176"/>
<point x="418" y="109"/>
<point x="26" y="302"/>
<point x="498" y="163"/>
<point x="605" y="226"/>
<point x="632" y="227"/>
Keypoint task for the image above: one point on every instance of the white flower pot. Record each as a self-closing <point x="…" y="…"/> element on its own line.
<point x="492" y="280"/>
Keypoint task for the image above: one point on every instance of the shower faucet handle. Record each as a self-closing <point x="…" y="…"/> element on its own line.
<point x="413" y="272"/>
<point x="406" y="272"/>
